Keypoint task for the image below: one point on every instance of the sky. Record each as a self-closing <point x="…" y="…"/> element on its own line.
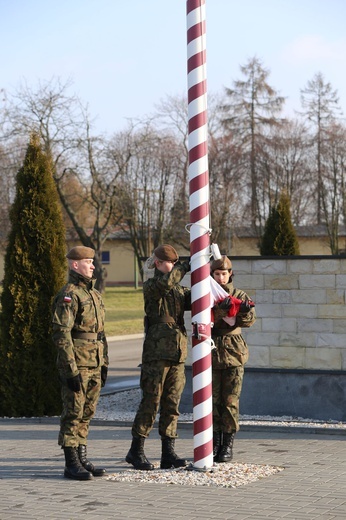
<point x="124" y="57"/>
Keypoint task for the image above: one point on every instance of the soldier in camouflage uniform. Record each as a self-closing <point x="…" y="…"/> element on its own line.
<point x="164" y="354"/>
<point x="78" y="333"/>
<point x="228" y="359"/>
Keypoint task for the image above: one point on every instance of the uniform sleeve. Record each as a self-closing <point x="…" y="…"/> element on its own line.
<point x="64" y="314"/>
<point x="247" y="319"/>
<point x="187" y="296"/>
<point x="158" y="287"/>
<point x="100" y="323"/>
<point x="105" y="352"/>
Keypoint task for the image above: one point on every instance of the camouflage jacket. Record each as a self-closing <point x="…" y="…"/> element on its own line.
<point x="231" y="348"/>
<point x="78" y="307"/>
<point x="166" y="299"/>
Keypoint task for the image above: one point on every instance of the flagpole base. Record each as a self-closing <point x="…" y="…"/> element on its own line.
<point x="204" y="469"/>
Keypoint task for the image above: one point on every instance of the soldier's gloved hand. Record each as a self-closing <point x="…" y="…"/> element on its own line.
<point x="104" y="373"/>
<point x="226" y="304"/>
<point x="74" y="383"/>
<point x="186" y="265"/>
<point x="246" y="306"/>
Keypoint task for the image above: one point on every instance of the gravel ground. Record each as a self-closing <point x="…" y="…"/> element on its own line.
<point x="229" y="475"/>
<point x="122" y="406"/>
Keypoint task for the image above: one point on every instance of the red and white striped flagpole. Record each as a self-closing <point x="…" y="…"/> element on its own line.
<point x="199" y="234"/>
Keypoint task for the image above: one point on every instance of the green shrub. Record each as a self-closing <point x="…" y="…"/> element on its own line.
<point x="35" y="268"/>
<point x="279" y="237"/>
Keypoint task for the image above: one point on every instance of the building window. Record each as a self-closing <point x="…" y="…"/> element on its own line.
<point x="106" y="257"/>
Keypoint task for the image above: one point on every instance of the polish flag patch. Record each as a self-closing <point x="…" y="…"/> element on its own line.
<point x="67" y="299"/>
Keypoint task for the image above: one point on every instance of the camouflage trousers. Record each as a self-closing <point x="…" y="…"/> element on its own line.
<point x="79" y="408"/>
<point x="227" y="385"/>
<point x="162" y="383"/>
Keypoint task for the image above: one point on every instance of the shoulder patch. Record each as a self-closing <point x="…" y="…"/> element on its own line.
<point x="67" y="298"/>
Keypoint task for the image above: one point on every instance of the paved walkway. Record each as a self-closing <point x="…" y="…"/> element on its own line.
<point x="312" y="485"/>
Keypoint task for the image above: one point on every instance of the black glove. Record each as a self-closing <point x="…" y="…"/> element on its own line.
<point x="186" y="265"/>
<point x="104" y="373"/>
<point x="74" y="383"/>
<point x="226" y="304"/>
<point x="246" y="306"/>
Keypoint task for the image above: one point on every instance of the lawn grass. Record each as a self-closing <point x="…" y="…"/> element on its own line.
<point x="124" y="310"/>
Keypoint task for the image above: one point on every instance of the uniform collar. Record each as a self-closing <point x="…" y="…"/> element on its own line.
<point x="78" y="279"/>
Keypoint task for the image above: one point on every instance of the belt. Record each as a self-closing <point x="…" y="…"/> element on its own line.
<point x="87" y="335"/>
<point x="162" y="319"/>
<point x="225" y="332"/>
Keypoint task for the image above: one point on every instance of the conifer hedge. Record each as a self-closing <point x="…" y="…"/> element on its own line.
<point x="279" y="237"/>
<point x="35" y="269"/>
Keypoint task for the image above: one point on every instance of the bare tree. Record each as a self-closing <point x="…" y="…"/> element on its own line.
<point x="227" y="208"/>
<point x="285" y="164"/>
<point x="11" y="155"/>
<point x="64" y="125"/>
<point x="171" y="119"/>
<point x="333" y="183"/>
<point x="97" y="197"/>
<point x="146" y="186"/>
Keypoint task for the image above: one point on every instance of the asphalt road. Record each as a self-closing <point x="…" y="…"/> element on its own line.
<point x="124" y="358"/>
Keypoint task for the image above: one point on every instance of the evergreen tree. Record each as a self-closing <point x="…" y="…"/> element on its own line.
<point x="269" y="234"/>
<point x="253" y="107"/>
<point x="279" y="237"/>
<point x="35" y="269"/>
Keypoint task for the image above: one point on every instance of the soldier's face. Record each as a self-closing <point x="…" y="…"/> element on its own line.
<point x="85" y="267"/>
<point x="221" y="276"/>
<point x="165" y="266"/>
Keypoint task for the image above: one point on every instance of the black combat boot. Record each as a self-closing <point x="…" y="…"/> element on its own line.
<point x="169" y="458"/>
<point x="217" y="442"/>
<point x="73" y="467"/>
<point x="226" y="453"/>
<point x="82" y="453"/>
<point x="136" y="455"/>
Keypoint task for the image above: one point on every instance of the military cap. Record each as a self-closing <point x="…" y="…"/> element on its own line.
<point x="80" y="252"/>
<point x="166" y="253"/>
<point x="222" y="264"/>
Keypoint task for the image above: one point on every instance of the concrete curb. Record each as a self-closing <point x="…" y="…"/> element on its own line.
<point x="125" y="338"/>
<point x="183" y="425"/>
